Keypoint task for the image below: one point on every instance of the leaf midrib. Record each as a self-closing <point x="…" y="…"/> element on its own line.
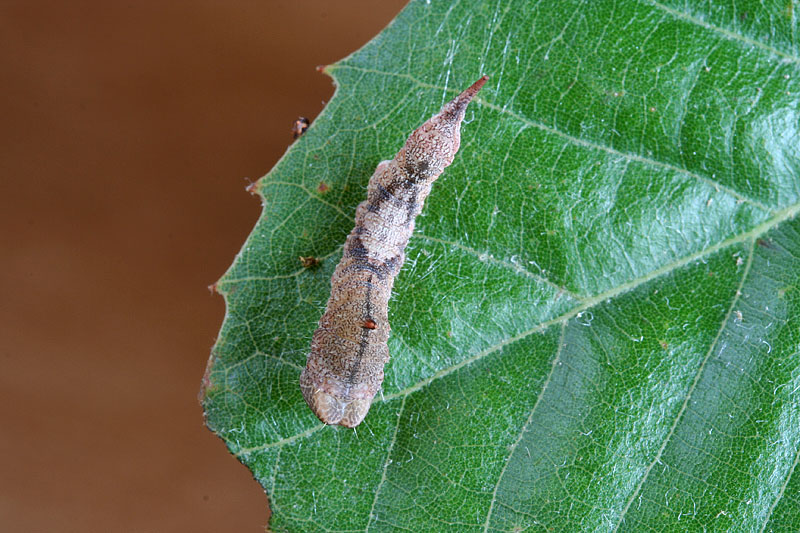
<point x="588" y="303"/>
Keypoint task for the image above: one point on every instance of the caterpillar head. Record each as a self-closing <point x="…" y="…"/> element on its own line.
<point x="334" y="409"/>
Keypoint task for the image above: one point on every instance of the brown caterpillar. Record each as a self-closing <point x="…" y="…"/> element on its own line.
<point x="344" y="369"/>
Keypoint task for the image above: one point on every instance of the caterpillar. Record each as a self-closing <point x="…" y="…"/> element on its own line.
<point x="344" y="369"/>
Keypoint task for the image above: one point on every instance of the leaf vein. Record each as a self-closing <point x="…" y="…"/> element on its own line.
<point x="231" y="281"/>
<point x="259" y="353"/>
<point x="589" y="303"/>
<point x="526" y="424"/>
<point x="728" y="34"/>
<point x="241" y="452"/>
<point x="501" y="262"/>
<point x="310" y="195"/>
<point x="382" y="482"/>
<point x="585" y="143"/>
<point x="692" y="387"/>
<point x="780" y="494"/>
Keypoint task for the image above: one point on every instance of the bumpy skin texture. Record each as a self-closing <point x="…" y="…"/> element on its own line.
<point x="344" y="370"/>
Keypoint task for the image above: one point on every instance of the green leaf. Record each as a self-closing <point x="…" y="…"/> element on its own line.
<point x="598" y="325"/>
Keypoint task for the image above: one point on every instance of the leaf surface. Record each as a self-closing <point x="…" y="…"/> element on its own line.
<point x="598" y="324"/>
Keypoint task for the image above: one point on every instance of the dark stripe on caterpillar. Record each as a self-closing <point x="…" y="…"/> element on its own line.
<point x="379" y="270"/>
<point x="362" y="346"/>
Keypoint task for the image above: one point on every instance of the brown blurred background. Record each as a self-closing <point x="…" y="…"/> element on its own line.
<point x="129" y="133"/>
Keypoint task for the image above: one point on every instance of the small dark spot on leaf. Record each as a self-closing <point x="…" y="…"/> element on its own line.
<point x="300" y="126"/>
<point x="322" y="188"/>
<point x="309" y="261"/>
<point x="252" y="188"/>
